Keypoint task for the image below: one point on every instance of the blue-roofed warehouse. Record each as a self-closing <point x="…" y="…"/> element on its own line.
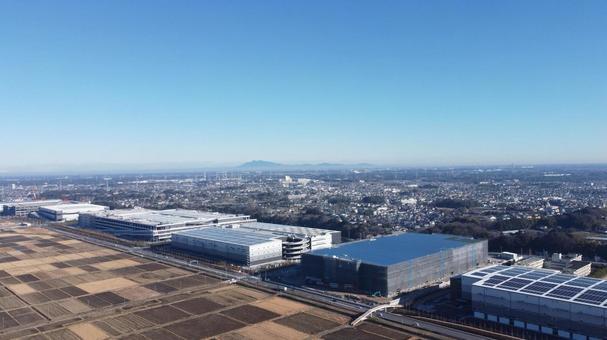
<point x="391" y="264"/>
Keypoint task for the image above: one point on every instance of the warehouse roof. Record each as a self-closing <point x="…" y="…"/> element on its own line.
<point x="543" y="282"/>
<point x="286" y="229"/>
<point x="231" y="236"/>
<point x="165" y="217"/>
<point x="31" y="203"/>
<point x="390" y="250"/>
<point x="74" y="208"/>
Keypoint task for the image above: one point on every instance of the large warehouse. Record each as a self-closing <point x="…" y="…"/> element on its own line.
<point x="68" y="212"/>
<point x="297" y="240"/>
<point x="388" y="265"/>
<point x="239" y="246"/>
<point x="540" y="300"/>
<point x="154" y="225"/>
<point x="22" y="209"/>
<point x="292" y="245"/>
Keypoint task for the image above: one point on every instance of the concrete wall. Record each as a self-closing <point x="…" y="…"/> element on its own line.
<point x="321" y="241"/>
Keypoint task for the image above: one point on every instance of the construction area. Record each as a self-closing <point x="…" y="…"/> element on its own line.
<point x="54" y="287"/>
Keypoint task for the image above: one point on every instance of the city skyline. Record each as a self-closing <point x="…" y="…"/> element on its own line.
<point x="391" y="83"/>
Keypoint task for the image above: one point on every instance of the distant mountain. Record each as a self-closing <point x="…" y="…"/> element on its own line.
<point x="259" y="164"/>
<point x="266" y="165"/>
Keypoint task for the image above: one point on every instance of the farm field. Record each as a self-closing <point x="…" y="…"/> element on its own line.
<point x="53" y="287"/>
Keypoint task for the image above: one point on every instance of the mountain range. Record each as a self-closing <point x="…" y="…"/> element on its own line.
<point x="267" y="165"/>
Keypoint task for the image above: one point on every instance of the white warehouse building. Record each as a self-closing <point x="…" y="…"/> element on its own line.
<point x="292" y="241"/>
<point x="23" y="209"/>
<point x="154" y="225"/>
<point x="540" y="300"/>
<point x="296" y="240"/>
<point x="68" y="212"/>
<point x="240" y="246"/>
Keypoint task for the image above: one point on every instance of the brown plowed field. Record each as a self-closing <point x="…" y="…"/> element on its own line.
<point x="53" y="287"/>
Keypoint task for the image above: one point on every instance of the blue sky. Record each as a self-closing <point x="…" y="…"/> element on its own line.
<point x="387" y="82"/>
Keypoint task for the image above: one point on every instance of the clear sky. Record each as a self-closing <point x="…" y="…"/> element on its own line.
<point x="388" y="82"/>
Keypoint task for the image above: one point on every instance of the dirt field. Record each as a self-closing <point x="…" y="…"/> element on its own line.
<point x="250" y="314"/>
<point x="266" y="330"/>
<point x="52" y="287"/>
<point x="307" y="323"/>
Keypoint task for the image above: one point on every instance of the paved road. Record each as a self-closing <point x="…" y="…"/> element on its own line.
<point x="430" y="326"/>
<point x="304" y="292"/>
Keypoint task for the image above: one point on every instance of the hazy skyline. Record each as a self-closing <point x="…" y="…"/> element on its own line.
<point x="225" y="82"/>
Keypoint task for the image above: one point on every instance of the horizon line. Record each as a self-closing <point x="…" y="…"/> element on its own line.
<point x="156" y="168"/>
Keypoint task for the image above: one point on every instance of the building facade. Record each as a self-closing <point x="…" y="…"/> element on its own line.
<point x="392" y="264"/>
<point x="293" y="241"/>
<point x="541" y="300"/>
<point x="68" y="212"/>
<point x="23" y="209"/>
<point x="296" y="240"/>
<point x="154" y="225"/>
<point x="238" y="246"/>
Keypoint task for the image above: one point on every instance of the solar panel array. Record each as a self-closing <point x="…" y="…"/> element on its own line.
<point x="592" y="296"/>
<point x="515" y="283"/>
<point x="548" y="283"/>
<point x="535" y="275"/>
<point x="602" y="285"/>
<point x="495" y="280"/>
<point x="564" y="292"/>
<point x="538" y="287"/>
<point x="486" y="271"/>
<point x="583" y="282"/>
<point x="559" y="278"/>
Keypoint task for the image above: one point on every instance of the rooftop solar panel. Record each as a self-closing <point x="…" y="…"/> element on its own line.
<point x="494" y="269"/>
<point x="538" y="287"/>
<point x="534" y="275"/>
<point x="478" y="274"/>
<point x="515" y="271"/>
<point x="495" y="280"/>
<point x="583" y="282"/>
<point x="515" y="284"/>
<point x="547" y="283"/>
<point x="558" y="278"/>
<point x="595" y="297"/>
<point x="602" y="285"/>
<point x="564" y="292"/>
